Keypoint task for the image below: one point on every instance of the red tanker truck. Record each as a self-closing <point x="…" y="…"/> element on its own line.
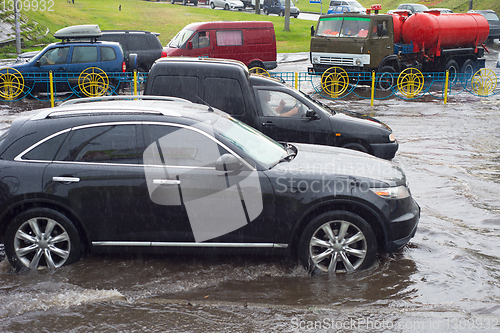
<point x="430" y="41"/>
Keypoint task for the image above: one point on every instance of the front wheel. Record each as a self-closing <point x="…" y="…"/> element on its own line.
<point x="387" y="78"/>
<point x="41" y="238"/>
<point x="266" y="12"/>
<point x="282" y="14"/>
<point x="226" y="7"/>
<point x="212" y="5"/>
<point x="337" y="242"/>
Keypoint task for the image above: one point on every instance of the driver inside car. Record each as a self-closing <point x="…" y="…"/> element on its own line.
<point x="267" y="97"/>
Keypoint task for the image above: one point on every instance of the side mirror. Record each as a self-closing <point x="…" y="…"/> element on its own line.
<point x="227" y="163"/>
<point x="38" y="63"/>
<point x="312" y="30"/>
<point x="190" y="45"/>
<point x="312" y="114"/>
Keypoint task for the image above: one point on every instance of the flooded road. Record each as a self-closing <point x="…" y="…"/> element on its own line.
<point x="446" y="280"/>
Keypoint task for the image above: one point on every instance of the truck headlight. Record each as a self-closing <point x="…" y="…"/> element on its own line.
<point x="398" y="192"/>
<point x="358" y="62"/>
<point x="315" y="60"/>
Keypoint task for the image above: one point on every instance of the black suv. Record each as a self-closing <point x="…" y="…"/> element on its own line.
<point x="159" y="174"/>
<point x="145" y="44"/>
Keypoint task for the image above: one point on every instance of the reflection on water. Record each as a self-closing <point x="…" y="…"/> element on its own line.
<point x="449" y="271"/>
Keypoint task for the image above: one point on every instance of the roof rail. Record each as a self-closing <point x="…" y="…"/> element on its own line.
<point x="123" y="98"/>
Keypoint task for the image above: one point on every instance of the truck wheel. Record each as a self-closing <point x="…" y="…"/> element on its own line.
<point x="266" y="12"/>
<point x="41" y="238"/>
<point x="452" y="68"/>
<point x="387" y="78"/>
<point x="337" y="242"/>
<point x="468" y="69"/>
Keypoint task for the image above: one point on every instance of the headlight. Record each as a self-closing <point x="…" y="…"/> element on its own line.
<point x="358" y="62"/>
<point x="399" y="192"/>
<point x="315" y="60"/>
<point x="392" y="138"/>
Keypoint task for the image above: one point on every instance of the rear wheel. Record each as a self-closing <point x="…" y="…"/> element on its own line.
<point x="266" y="12"/>
<point x="282" y="13"/>
<point x="226" y="7"/>
<point x="452" y="68"/>
<point x="337" y="242"/>
<point x="468" y="70"/>
<point x="212" y="5"/>
<point x="184" y="2"/>
<point x="41" y="238"/>
<point x="172" y="1"/>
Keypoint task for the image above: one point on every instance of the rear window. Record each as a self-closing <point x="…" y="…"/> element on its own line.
<point x="176" y="86"/>
<point x="229" y="37"/>
<point x="225" y="94"/>
<point x="138" y="42"/>
<point x="107" y="53"/>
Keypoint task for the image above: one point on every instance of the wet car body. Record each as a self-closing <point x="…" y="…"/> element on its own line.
<point x="62" y="193"/>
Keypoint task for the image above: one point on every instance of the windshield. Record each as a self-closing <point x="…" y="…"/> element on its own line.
<point x="420" y="8"/>
<point x="356" y="4"/>
<point x="181" y="38"/>
<point x="343" y="27"/>
<point x="251" y="142"/>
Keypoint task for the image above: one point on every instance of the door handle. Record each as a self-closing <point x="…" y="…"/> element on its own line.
<point x="268" y="124"/>
<point x="166" y="182"/>
<point x="66" y="179"/>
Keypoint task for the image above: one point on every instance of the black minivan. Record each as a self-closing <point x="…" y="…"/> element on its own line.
<point x="228" y="86"/>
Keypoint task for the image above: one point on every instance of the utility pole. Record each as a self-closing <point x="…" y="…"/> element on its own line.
<point x="287" y="15"/>
<point x="470" y="4"/>
<point x="17" y="27"/>
<point x="257" y="7"/>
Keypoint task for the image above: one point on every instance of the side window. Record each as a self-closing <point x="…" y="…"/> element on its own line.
<point x="46" y="150"/>
<point x="176" y="86"/>
<point x="225" y="94"/>
<point x="107" y="53"/>
<point x="83" y="54"/>
<point x="229" y="37"/>
<point x="278" y="104"/>
<point x="180" y="146"/>
<point x="55" y="56"/>
<point x="102" y="144"/>
<point x="379" y="29"/>
<point x="137" y="42"/>
<point x="201" y="40"/>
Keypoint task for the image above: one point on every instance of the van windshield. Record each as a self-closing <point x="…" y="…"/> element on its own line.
<point x="181" y="38"/>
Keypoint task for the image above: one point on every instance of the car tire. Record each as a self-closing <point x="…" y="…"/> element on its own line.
<point x="184" y="2"/>
<point x="387" y="78"/>
<point x="195" y="3"/>
<point x="266" y="12"/>
<point x="282" y="13"/>
<point x="28" y="246"/>
<point x="212" y="5"/>
<point x="172" y="2"/>
<point x="226" y="7"/>
<point x="337" y="242"/>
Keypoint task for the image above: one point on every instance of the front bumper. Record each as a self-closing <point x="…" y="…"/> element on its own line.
<point x="385" y="150"/>
<point x="403" y="228"/>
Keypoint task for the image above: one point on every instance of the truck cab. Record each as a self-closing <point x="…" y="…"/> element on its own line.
<point x="355" y="42"/>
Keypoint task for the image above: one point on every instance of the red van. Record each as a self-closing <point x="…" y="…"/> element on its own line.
<point x="251" y="42"/>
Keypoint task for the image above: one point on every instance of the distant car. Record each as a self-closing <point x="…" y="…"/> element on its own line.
<point x="414" y="7"/>
<point x="493" y="20"/>
<point x="227" y="4"/>
<point x="442" y="10"/>
<point x="185" y="2"/>
<point x="352" y="6"/>
<point x="164" y="174"/>
<point x="340" y="10"/>
<point x="78" y="51"/>
<point x="278" y="7"/>
<point x="145" y="44"/>
<point x="26" y="56"/>
<point x="392" y="11"/>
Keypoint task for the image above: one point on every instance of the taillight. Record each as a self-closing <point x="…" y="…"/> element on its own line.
<point x="124" y="67"/>
<point x="163" y="54"/>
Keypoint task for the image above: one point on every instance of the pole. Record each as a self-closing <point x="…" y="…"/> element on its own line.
<point x="470" y="4"/>
<point x="51" y="82"/>
<point x="17" y="27"/>
<point x="446" y="87"/>
<point x="287" y="15"/>
<point x="373" y="87"/>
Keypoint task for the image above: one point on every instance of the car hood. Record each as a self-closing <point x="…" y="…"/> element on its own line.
<point x="360" y="118"/>
<point x="325" y="162"/>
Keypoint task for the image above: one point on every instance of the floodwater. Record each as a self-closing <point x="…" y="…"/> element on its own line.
<point x="447" y="279"/>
